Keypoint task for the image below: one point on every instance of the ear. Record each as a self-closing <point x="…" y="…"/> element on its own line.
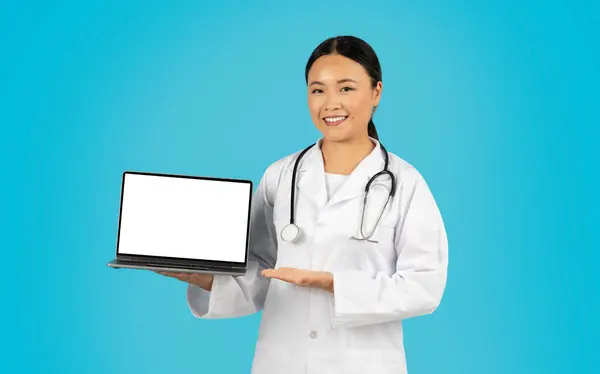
<point x="377" y="93"/>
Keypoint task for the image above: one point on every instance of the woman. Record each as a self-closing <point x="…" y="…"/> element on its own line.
<point x="332" y="301"/>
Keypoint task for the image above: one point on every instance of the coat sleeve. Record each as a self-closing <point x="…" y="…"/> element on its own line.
<point x="418" y="283"/>
<point x="236" y="296"/>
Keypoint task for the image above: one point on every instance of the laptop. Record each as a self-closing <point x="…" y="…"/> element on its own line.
<point x="183" y="223"/>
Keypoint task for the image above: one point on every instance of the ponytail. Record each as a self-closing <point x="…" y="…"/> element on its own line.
<point x="372" y="131"/>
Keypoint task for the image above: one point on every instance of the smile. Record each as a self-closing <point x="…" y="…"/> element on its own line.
<point x="334" y="121"/>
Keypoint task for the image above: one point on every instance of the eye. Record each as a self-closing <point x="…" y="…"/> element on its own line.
<point x="317" y="90"/>
<point x="346" y="89"/>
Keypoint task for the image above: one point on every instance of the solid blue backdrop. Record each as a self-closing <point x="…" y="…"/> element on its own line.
<point x="495" y="103"/>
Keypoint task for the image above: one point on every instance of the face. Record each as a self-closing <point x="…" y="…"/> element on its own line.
<point x="341" y="97"/>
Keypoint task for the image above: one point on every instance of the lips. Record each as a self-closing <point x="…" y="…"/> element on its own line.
<point x="334" y="120"/>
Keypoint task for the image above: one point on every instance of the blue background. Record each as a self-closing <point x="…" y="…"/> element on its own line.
<point x="495" y="102"/>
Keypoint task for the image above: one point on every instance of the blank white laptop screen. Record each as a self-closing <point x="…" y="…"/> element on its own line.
<point x="185" y="218"/>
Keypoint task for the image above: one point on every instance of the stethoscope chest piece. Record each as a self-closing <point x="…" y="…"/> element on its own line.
<point x="290" y="233"/>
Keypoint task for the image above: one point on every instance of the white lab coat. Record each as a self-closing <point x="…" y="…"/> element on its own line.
<point x="358" y="328"/>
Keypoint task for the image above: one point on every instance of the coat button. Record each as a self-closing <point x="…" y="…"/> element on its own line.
<point x="312" y="334"/>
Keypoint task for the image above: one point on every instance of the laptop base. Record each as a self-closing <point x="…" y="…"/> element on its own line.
<point x="118" y="264"/>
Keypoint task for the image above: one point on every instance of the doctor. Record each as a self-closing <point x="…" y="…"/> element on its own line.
<point x="333" y="273"/>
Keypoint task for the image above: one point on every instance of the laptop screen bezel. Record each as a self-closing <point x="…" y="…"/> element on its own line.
<point x="180" y="260"/>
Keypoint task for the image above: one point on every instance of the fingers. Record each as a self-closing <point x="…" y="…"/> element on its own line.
<point x="278" y="271"/>
<point x="268" y="272"/>
<point x="167" y="273"/>
<point x="274" y="273"/>
<point x="299" y="277"/>
<point x="284" y="274"/>
<point x="177" y="275"/>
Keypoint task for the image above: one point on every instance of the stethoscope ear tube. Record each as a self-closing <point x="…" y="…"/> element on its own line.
<point x="392" y="190"/>
<point x="294" y="182"/>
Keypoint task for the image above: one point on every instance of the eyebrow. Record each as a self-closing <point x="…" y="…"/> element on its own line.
<point x="340" y="81"/>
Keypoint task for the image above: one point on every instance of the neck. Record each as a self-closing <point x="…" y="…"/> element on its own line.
<point x="343" y="157"/>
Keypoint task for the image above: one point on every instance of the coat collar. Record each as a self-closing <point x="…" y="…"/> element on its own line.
<point x="311" y="176"/>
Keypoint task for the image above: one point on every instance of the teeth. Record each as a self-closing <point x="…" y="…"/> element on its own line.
<point x="334" y="119"/>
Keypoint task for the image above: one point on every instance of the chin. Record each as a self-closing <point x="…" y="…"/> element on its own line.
<point x="336" y="133"/>
<point x="336" y="136"/>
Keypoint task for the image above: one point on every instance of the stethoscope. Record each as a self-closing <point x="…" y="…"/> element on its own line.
<point x="290" y="233"/>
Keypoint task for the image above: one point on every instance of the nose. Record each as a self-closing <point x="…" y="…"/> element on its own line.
<point x="333" y="107"/>
<point x="332" y="103"/>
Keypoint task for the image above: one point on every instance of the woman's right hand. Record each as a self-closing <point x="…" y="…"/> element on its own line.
<point x="203" y="281"/>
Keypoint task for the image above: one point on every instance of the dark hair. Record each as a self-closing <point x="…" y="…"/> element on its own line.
<point x="355" y="49"/>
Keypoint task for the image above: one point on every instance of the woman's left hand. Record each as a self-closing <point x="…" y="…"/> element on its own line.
<point x="303" y="278"/>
